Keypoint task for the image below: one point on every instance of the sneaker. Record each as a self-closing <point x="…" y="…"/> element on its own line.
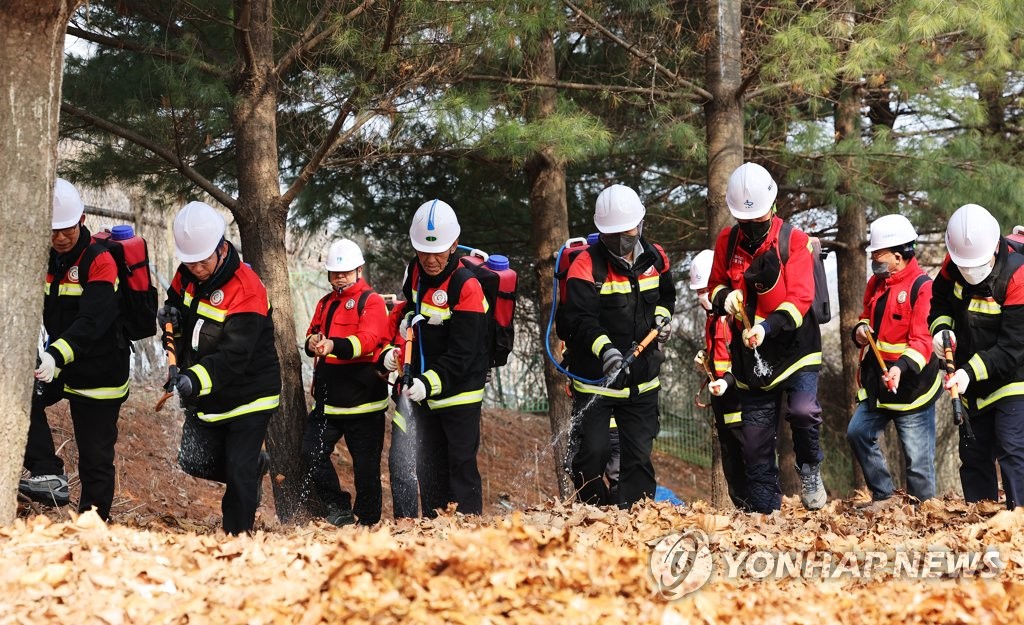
<point x="50" y="490"/>
<point x="812" y="493"/>
<point x="336" y="515"/>
<point x="263" y="466"/>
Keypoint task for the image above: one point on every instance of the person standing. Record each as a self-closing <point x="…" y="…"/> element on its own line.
<point x="780" y="355"/>
<point x="449" y="360"/>
<point x="725" y="400"/>
<point x="617" y="291"/>
<point x="229" y="380"/>
<point x="85" y="362"/>
<point x="896" y="306"/>
<point x="978" y="300"/>
<point x="344" y="336"/>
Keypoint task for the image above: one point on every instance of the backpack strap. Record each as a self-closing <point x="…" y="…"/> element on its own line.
<point x="598" y="267"/>
<point x="455" y="283"/>
<point x="88" y="256"/>
<point x="734" y="236"/>
<point x="1013" y="262"/>
<point x="361" y="305"/>
<point x="918" y="283"/>
<point x="785" y="233"/>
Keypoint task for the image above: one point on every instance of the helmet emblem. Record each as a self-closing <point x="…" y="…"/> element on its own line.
<point x="73" y="274"/>
<point x="217" y="297"/>
<point x="440" y="298"/>
<point x="430" y="218"/>
<point x="748" y="203"/>
<point x="431" y="238"/>
<point x="350" y="304"/>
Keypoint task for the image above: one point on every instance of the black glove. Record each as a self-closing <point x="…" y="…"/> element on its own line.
<point x="168" y="314"/>
<point x="611" y="360"/>
<point x="184" y="385"/>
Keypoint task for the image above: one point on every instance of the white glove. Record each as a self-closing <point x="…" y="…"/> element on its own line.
<point x="47" y="368"/>
<point x="700" y="359"/>
<point x="734" y="303"/>
<point x="937" y="341"/>
<point x="417" y="391"/>
<point x="402" y="327"/>
<point x="718" y="387"/>
<point x="391" y="359"/>
<point x="894" y="377"/>
<point x="860" y="336"/>
<point x="665" y="331"/>
<point x="960" y="379"/>
<point x="753" y="337"/>
<point x="704" y="301"/>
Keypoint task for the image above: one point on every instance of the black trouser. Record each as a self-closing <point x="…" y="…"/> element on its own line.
<point x="447" y="443"/>
<point x="405" y="494"/>
<point x="95" y="424"/>
<point x="227" y="451"/>
<point x="637" y="421"/>
<point x="999" y="435"/>
<point x="730" y="441"/>
<point x="364" y="436"/>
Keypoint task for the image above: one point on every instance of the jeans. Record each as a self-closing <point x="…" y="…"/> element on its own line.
<point x="917" y="439"/>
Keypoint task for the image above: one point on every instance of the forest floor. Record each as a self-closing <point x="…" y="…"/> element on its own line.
<point x="528" y="559"/>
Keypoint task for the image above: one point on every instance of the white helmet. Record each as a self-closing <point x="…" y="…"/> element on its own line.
<point x="67" y="205"/>
<point x="700" y="270"/>
<point x="618" y="209"/>
<point x="890" y="231"/>
<point x="198" y="230"/>
<point x="972" y="236"/>
<point x="434" y="227"/>
<point x="343" y="255"/>
<point x="751" y="192"/>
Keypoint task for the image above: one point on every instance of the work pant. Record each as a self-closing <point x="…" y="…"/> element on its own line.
<point x="364" y="437"/>
<point x="999" y="435"/>
<point x="638" y="425"/>
<point x="447" y="442"/>
<point x="761" y="411"/>
<point x="95" y="425"/>
<point x="405" y="495"/>
<point x="228" y="452"/>
<point x="916" y="431"/>
<point x="730" y="441"/>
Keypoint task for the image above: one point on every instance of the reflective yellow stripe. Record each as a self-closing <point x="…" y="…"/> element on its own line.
<point x="211" y="312"/>
<point x="469" y="397"/>
<point x="372" y="406"/>
<point x="261" y="404"/>
<point x="612" y="424"/>
<point x="922" y="400"/>
<point x="205" y="383"/>
<point x="958" y="290"/>
<point x="916" y="356"/>
<point x="432" y="311"/>
<point x="186" y="299"/>
<point x="661" y="311"/>
<point x="1014" y="388"/>
<point x="984" y="306"/>
<point x="650" y="282"/>
<point x="944" y="320"/>
<point x="399" y="420"/>
<point x="599" y="344"/>
<point x="790" y="309"/>
<point x="897" y="348"/>
<point x="106" y="392"/>
<point x="978" y="365"/>
<point x="70" y="289"/>
<point x="732" y="417"/>
<point x="715" y="291"/>
<point x="65" y="350"/>
<point x="435" y="382"/>
<point x="808" y="360"/>
<point x="357" y="347"/>
<point x="622" y="393"/>
<point x="861" y="394"/>
<point x="609" y="288"/>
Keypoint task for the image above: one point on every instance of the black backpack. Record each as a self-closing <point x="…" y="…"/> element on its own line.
<point x="822" y="304"/>
<point x="136" y="292"/>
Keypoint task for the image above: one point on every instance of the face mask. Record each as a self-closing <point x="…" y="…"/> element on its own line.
<point x="705" y="301"/>
<point x="755" y="231"/>
<point x="620" y="244"/>
<point x="975" y="275"/>
<point x="880" y="269"/>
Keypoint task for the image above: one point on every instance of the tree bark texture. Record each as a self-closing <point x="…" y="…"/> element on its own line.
<point x="724" y="119"/>
<point x="32" y="58"/>
<point x="550" y="228"/>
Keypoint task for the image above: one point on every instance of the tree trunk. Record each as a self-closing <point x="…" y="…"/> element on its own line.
<point x="32" y="57"/>
<point x="261" y="220"/>
<point x="724" y="118"/>
<point x="550" y="228"/>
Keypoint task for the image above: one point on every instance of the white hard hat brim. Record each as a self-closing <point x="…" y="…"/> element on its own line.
<point x="197" y="257"/>
<point x="59" y="225"/>
<point x="616" y="228"/>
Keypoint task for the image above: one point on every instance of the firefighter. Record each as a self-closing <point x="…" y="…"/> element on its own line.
<point x="229" y="380"/>
<point x="617" y="291"/>
<point x="781" y="352"/>
<point x="85" y="362"/>
<point x="350" y="399"/>
<point x="725" y="401"/>
<point x="896" y="306"/>
<point x="449" y="362"/>
<point x="978" y="298"/>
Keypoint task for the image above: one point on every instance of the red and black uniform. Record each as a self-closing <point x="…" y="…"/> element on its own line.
<point x="80" y="314"/>
<point x="987" y="319"/>
<point x="405" y="497"/>
<point x="350" y="398"/>
<point x="728" y="416"/>
<point x="896" y="308"/>
<point x="450" y="357"/>
<point x="778" y="295"/>
<point x="611" y="302"/>
<point x="225" y="345"/>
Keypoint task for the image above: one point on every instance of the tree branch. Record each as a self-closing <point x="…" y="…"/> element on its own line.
<point x="130" y="135"/>
<point x="242" y="32"/>
<point x="131" y="46"/>
<point x="699" y="94"/>
<point x="580" y="86"/>
<point x="310" y="39"/>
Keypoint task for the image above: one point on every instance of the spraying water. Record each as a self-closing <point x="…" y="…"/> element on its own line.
<point x="761" y="368"/>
